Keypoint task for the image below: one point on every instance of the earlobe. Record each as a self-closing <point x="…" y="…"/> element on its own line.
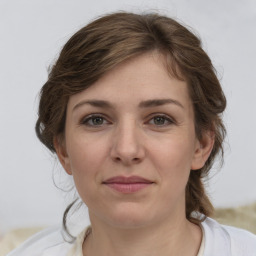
<point x="203" y="150"/>
<point x="61" y="152"/>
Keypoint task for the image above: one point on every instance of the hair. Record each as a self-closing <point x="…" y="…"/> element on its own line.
<point x="108" y="41"/>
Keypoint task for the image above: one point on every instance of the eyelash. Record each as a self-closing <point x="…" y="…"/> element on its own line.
<point x="165" y="117"/>
<point x="87" y="119"/>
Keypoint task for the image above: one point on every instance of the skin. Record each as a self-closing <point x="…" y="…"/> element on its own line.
<point x="129" y="138"/>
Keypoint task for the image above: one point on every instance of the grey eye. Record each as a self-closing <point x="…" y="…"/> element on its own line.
<point x="97" y="120"/>
<point x="94" y="120"/>
<point x="159" y="120"/>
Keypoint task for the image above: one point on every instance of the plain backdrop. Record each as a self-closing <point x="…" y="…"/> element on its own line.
<point x="31" y="36"/>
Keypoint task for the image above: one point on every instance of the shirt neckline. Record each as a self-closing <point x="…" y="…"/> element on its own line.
<point x="78" y="246"/>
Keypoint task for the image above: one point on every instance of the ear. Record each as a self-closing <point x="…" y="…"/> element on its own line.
<point x="60" y="148"/>
<point x="203" y="150"/>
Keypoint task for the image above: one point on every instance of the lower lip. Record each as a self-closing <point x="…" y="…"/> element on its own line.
<point x="128" y="188"/>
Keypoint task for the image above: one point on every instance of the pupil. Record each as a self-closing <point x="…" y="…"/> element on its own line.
<point x="159" y="120"/>
<point x="97" y="120"/>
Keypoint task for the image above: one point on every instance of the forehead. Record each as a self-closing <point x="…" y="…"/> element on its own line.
<point x="137" y="79"/>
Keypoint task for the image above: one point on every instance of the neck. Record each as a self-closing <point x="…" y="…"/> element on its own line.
<point x="179" y="237"/>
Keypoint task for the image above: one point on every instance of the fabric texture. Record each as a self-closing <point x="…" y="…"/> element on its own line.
<point x="201" y="249"/>
<point x="220" y="240"/>
<point x="16" y="237"/>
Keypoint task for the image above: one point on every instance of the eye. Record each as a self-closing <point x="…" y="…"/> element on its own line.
<point x="94" y="121"/>
<point x="161" y="120"/>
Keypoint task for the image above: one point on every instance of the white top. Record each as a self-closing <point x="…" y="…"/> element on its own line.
<point x="218" y="240"/>
<point x="201" y="249"/>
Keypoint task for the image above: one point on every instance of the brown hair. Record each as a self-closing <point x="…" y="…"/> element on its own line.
<point x="111" y="39"/>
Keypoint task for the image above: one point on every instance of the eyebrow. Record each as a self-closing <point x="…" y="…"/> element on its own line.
<point x="159" y="102"/>
<point x="143" y="104"/>
<point x="94" y="103"/>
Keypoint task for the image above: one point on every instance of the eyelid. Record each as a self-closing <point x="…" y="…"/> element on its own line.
<point x="90" y="116"/>
<point x="86" y="118"/>
<point x="167" y="117"/>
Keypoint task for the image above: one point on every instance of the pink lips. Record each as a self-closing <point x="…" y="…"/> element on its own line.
<point x="127" y="185"/>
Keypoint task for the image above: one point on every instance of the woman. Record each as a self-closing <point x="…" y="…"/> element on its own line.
<point x="132" y="108"/>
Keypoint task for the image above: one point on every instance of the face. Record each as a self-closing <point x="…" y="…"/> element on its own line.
<point x="130" y="144"/>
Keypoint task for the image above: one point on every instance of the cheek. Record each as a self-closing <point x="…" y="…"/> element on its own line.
<point x="172" y="161"/>
<point x="173" y="158"/>
<point x="84" y="168"/>
<point x="84" y="152"/>
<point x="86" y="158"/>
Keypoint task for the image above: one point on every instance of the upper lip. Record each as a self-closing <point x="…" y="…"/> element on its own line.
<point x="128" y="180"/>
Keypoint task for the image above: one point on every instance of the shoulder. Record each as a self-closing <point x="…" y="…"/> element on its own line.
<point x="242" y="242"/>
<point x="45" y="243"/>
<point x="226" y="240"/>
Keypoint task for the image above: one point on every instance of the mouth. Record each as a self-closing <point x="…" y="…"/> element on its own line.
<point x="127" y="185"/>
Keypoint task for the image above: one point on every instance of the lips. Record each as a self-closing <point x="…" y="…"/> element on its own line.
<point x="127" y="185"/>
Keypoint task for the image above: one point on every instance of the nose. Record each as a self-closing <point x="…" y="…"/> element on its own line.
<point x="127" y="144"/>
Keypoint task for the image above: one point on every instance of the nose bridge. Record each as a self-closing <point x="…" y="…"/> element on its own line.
<point x="127" y="146"/>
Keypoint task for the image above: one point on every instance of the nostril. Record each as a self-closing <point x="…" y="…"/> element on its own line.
<point x="126" y="160"/>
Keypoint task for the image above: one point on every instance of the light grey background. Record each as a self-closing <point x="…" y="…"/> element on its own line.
<point x="31" y="35"/>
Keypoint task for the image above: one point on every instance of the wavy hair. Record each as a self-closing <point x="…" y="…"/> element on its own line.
<point x="108" y="41"/>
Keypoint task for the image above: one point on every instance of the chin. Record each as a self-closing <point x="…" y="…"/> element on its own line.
<point x="129" y="217"/>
